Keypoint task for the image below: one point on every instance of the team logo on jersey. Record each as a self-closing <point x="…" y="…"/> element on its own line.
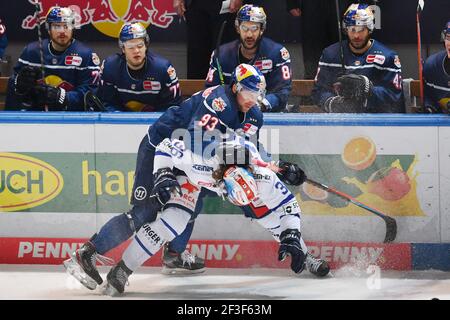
<point x="54" y="61"/>
<point x="218" y="104"/>
<point x="376" y="58"/>
<point x="190" y="188"/>
<point x="95" y="59"/>
<point x="264" y="64"/>
<point x="357" y="62"/>
<point x="73" y="61"/>
<point x="140" y="193"/>
<point x="151" y="85"/>
<point x="397" y="62"/>
<point x="172" y="73"/>
<point x="250" y="129"/>
<point x="285" y="54"/>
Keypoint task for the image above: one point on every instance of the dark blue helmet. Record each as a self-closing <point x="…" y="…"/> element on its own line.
<point x="131" y="31"/>
<point x="60" y="15"/>
<point x="252" y="13"/>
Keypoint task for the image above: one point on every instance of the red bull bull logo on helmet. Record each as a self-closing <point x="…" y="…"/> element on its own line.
<point x="108" y="16"/>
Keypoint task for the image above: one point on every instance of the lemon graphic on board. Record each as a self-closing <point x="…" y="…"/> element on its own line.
<point x="359" y="153"/>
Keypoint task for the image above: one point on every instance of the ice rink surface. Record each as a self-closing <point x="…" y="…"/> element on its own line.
<point x="52" y="282"/>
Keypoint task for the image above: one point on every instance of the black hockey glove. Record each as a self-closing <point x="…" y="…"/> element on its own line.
<point x="165" y="184"/>
<point x="291" y="173"/>
<point x="290" y="245"/>
<point x="52" y="97"/>
<point x="26" y="79"/>
<point x="264" y="104"/>
<point x="430" y="109"/>
<point x="354" y="87"/>
<point x="338" y="104"/>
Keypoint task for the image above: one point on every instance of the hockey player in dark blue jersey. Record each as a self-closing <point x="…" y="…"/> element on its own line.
<point x="138" y="79"/>
<point x="3" y="39"/>
<point x="366" y="78"/>
<point x="70" y="69"/>
<point x="436" y="73"/>
<point x="252" y="48"/>
<point x="214" y="112"/>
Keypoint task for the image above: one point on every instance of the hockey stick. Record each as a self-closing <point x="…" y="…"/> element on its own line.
<point x="41" y="47"/>
<point x="219" y="41"/>
<point x="92" y="103"/>
<point x="341" y="45"/>
<point x="391" y="224"/>
<point x="420" y="6"/>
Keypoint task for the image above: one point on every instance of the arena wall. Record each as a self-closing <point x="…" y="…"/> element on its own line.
<point x="64" y="175"/>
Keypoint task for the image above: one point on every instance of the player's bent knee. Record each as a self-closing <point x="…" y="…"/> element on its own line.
<point x="175" y="221"/>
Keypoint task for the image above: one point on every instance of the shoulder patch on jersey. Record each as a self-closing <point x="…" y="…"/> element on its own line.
<point x="172" y="73"/>
<point x="95" y="59"/>
<point x="151" y="85"/>
<point x="285" y="53"/>
<point x="218" y="104"/>
<point x="2" y="29"/>
<point x="376" y="58"/>
<point x="397" y="62"/>
<point x="73" y="61"/>
<point x="208" y="91"/>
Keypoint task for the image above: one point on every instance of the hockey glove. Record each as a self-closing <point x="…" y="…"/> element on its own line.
<point x="291" y="173"/>
<point x="26" y="79"/>
<point x="338" y="104"/>
<point x="52" y="97"/>
<point x="354" y="87"/>
<point x="264" y="104"/>
<point x="430" y="109"/>
<point x="165" y="184"/>
<point x="290" y="245"/>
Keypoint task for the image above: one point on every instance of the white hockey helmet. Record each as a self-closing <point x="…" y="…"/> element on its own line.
<point x="240" y="186"/>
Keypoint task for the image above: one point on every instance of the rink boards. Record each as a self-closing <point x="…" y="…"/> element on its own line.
<point x="249" y="253"/>
<point x="62" y="176"/>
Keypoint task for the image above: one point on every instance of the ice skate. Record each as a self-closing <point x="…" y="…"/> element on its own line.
<point x="317" y="267"/>
<point x="184" y="263"/>
<point x="117" y="279"/>
<point x="82" y="265"/>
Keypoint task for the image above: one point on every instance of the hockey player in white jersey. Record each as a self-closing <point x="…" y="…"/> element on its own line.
<point x="230" y="173"/>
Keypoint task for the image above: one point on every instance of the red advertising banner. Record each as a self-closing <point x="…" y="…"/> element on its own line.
<point x="220" y="253"/>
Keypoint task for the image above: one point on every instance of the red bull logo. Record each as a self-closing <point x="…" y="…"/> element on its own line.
<point x="108" y="16"/>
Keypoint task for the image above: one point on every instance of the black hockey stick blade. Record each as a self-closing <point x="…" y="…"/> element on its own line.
<point x="92" y="103"/>
<point x="391" y="224"/>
